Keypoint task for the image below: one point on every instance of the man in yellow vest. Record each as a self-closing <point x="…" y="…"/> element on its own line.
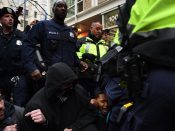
<point x="91" y="49"/>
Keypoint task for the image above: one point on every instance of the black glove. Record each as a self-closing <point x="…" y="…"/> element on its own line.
<point x="90" y="57"/>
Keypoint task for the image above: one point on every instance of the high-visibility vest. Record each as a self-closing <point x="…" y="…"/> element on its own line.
<point x="151" y="28"/>
<point x="89" y="46"/>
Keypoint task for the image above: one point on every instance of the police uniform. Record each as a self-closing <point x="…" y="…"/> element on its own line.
<point x="112" y="81"/>
<point x="11" y="67"/>
<point x="151" y="31"/>
<point x="10" y="60"/>
<point x="57" y="44"/>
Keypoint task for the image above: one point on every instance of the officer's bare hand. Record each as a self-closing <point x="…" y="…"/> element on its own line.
<point x="66" y="129"/>
<point x="36" y="75"/>
<point x="83" y="66"/>
<point x="37" y="116"/>
<point x="11" y="128"/>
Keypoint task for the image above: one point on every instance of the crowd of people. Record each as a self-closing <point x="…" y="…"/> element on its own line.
<point x="52" y="81"/>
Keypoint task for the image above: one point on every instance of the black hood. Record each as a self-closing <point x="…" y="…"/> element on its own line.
<point x="58" y="75"/>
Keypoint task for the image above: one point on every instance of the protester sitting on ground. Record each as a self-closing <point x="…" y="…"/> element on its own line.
<point x="61" y="105"/>
<point x="10" y="115"/>
<point x="100" y="101"/>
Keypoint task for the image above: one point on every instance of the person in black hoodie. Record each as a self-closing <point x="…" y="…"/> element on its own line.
<point x="63" y="105"/>
<point x="10" y="115"/>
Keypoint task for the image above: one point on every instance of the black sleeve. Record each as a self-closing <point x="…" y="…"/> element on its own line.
<point x="27" y="124"/>
<point x="88" y="114"/>
<point x="79" y="43"/>
<point x="86" y="118"/>
<point x="33" y="38"/>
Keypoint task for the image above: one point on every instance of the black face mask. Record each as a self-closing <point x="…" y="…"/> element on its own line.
<point x="64" y="94"/>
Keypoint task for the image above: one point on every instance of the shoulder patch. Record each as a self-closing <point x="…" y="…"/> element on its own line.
<point x="72" y="34"/>
<point x="18" y="42"/>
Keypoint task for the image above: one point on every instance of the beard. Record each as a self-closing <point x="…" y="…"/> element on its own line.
<point x="60" y="16"/>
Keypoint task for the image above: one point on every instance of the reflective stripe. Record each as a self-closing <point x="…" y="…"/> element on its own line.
<point x="127" y="105"/>
<point x="87" y="47"/>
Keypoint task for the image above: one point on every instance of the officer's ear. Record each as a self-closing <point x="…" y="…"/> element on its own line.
<point x="53" y="9"/>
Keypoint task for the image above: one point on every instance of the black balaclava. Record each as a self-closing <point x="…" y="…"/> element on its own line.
<point x="58" y="75"/>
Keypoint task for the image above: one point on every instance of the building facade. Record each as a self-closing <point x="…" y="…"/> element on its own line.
<point x="83" y="12"/>
<point x="32" y="10"/>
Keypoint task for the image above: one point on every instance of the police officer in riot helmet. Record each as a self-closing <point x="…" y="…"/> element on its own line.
<point x="10" y="52"/>
<point x="56" y="43"/>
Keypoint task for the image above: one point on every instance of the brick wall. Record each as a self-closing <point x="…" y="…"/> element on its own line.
<point x="87" y="4"/>
<point x="101" y="1"/>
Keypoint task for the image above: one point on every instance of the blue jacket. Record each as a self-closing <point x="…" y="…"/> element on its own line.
<point x="10" y="53"/>
<point x="57" y="44"/>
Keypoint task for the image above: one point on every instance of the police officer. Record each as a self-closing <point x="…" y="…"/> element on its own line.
<point x="56" y="41"/>
<point x="91" y="49"/>
<point x="10" y="52"/>
<point x="112" y="81"/>
<point x="151" y="41"/>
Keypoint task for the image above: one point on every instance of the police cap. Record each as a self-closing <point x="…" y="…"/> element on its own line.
<point x="7" y="10"/>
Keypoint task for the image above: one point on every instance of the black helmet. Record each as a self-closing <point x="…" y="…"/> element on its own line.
<point x="7" y="10"/>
